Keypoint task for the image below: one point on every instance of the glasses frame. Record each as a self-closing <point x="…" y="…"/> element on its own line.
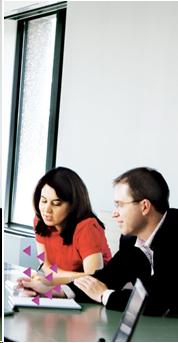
<point x="121" y="204"/>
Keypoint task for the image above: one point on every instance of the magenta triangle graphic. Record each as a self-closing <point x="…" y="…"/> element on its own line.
<point x="54" y="268"/>
<point x="36" y="300"/>
<point x="49" y="277"/>
<point x="27" y="250"/>
<point x="27" y="272"/>
<point x="57" y="288"/>
<point x="48" y="294"/>
<point x="41" y="256"/>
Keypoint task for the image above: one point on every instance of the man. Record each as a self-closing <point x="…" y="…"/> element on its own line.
<point x="148" y="247"/>
<point x="145" y="220"/>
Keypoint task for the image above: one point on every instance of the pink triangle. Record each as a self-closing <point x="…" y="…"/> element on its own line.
<point x="48" y="294"/>
<point x="27" y="250"/>
<point x="54" y="268"/>
<point x="49" y="277"/>
<point x="41" y="256"/>
<point x="27" y="272"/>
<point x="57" y="288"/>
<point x="36" y="300"/>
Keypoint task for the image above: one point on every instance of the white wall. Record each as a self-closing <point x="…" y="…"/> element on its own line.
<point x="119" y="104"/>
<point x="9" y="55"/>
<point x="13" y="245"/>
<point x="14" y="5"/>
<point x="13" y="251"/>
<point x="119" y="101"/>
<point x="0" y="109"/>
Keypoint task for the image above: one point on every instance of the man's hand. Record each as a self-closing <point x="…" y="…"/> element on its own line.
<point x="91" y="287"/>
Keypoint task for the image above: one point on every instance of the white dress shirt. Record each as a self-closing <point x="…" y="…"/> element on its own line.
<point x="145" y="245"/>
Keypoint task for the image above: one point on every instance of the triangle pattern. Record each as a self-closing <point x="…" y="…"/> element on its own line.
<point x="49" y="277"/>
<point x="48" y="294"/>
<point x="36" y="300"/>
<point x="57" y="288"/>
<point x="27" y="250"/>
<point x="54" y="268"/>
<point x="27" y="272"/>
<point x="41" y="256"/>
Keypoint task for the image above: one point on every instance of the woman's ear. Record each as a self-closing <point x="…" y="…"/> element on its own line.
<point x="145" y="205"/>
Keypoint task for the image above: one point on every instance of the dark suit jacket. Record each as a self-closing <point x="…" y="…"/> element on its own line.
<point x="130" y="262"/>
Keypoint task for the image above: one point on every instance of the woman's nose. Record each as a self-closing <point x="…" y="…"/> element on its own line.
<point x="48" y="208"/>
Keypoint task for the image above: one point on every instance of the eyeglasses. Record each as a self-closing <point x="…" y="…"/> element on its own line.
<point x="121" y="204"/>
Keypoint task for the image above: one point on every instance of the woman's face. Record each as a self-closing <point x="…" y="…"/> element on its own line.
<point x="53" y="210"/>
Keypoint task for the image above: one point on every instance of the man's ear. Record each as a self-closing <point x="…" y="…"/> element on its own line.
<point x="145" y="205"/>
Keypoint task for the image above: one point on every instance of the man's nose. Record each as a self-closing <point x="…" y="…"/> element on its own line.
<point x="115" y="213"/>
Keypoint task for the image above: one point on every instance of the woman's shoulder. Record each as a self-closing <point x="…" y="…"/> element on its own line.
<point x="88" y="223"/>
<point x="89" y="233"/>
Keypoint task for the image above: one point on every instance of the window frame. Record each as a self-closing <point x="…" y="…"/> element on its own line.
<point x="23" y="17"/>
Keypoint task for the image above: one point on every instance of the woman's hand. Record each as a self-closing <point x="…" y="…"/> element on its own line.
<point x="30" y="287"/>
<point x="25" y="292"/>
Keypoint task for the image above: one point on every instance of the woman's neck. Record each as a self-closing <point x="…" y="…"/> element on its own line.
<point x="58" y="228"/>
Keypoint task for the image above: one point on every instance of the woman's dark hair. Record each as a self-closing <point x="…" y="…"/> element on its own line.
<point x="147" y="183"/>
<point x="69" y="187"/>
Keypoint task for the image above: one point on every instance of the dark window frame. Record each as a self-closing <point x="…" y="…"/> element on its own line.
<point x="23" y="17"/>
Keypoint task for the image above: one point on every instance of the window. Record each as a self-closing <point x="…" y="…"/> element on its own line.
<point x="35" y="108"/>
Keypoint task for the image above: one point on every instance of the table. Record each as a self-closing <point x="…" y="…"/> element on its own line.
<point x="87" y="325"/>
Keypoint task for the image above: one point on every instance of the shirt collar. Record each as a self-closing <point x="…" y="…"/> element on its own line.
<point x="148" y="242"/>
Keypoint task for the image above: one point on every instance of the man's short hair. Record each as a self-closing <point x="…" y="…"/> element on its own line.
<point x="147" y="183"/>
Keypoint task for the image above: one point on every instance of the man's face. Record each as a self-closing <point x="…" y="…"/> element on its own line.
<point x="127" y="213"/>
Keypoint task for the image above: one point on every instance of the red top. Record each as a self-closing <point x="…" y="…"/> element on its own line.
<point x="89" y="238"/>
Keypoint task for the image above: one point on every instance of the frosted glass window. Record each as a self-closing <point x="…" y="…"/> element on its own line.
<point x="35" y="109"/>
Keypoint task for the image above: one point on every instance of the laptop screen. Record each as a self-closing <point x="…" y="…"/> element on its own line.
<point x="131" y="313"/>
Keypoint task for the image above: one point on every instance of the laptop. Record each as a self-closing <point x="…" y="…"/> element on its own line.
<point x="131" y="314"/>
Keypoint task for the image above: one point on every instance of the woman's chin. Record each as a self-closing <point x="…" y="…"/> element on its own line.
<point x="48" y="222"/>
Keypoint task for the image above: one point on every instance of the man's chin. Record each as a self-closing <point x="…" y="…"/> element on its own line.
<point x="124" y="231"/>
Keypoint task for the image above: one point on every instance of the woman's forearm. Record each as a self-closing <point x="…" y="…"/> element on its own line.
<point x="61" y="276"/>
<point x="64" y="276"/>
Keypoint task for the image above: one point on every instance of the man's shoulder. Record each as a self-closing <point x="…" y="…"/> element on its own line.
<point x="172" y="213"/>
<point x="168" y="231"/>
<point x="127" y="241"/>
<point x="171" y="219"/>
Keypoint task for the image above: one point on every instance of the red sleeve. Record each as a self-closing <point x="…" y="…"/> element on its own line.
<point x="39" y="238"/>
<point x="89" y="238"/>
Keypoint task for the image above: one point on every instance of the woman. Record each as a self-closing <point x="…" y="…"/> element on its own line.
<point x="67" y="231"/>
